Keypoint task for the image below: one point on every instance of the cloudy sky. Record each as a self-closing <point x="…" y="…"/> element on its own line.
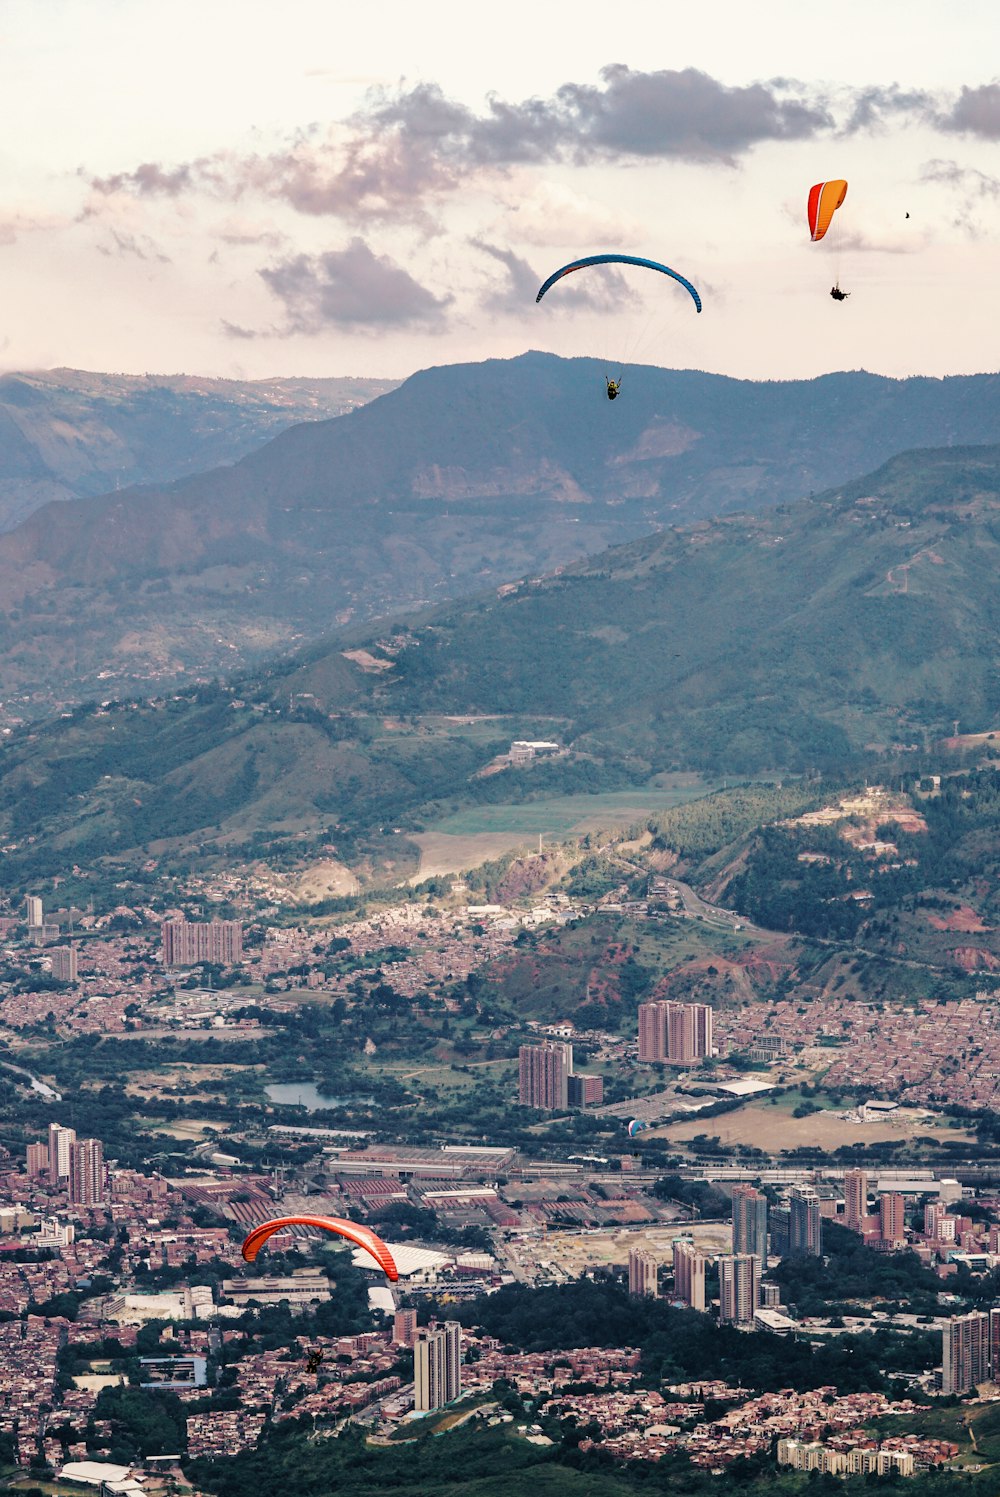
<point x="248" y="187"/>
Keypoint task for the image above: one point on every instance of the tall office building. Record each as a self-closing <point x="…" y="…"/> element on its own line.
<point x="750" y="1222"/>
<point x="892" y="1217"/>
<point x="805" y="1224"/>
<point x="689" y="1274"/>
<point x="86" y="1172"/>
<point x="38" y="1160"/>
<point x="544" y="1072"/>
<point x="187" y="942"/>
<point x="63" y="959"/>
<point x="437" y="1366"/>
<point x="60" y="1141"/>
<point x="33" y="910"/>
<point x="642" y="1273"/>
<point x="855" y="1198"/>
<point x="966" y="1361"/>
<point x="679" y="1032"/>
<point x="739" y="1288"/>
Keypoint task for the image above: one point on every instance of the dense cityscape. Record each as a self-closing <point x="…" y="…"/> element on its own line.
<point x="499" y="750"/>
<point x="116" y="1276"/>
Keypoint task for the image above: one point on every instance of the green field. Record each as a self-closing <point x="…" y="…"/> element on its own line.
<point x="788" y="1101"/>
<point x="566" y="813"/>
<point x="441" y="1076"/>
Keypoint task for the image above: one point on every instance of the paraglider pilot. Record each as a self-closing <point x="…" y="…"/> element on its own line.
<point x="612" y="385"/>
<point x="839" y="295"/>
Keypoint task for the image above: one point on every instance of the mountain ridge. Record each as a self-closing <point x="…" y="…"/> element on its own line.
<point x="71" y="433"/>
<point x="462" y="478"/>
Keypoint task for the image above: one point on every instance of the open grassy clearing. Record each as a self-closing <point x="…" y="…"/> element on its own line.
<point x="322" y="879"/>
<point x="576" y="813"/>
<point x="442" y="853"/>
<point x="442" y="1075"/>
<point x="190" y="1128"/>
<point x="788" y="1101"/>
<point x="771" y="1128"/>
<point x="173" y="1074"/>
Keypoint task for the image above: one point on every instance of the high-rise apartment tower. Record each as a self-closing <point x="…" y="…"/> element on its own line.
<point x="689" y="1274"/>
<point x="739" y="1288"/>
<point x="86" y="1172"/>
<point x="750" y="1222"/>
<point x="642" y="1273"/>
<point x="437" y="1366"/>
<point x="805" y="1224"/>
<point x="678" y="1032"/>
<point x="543" y="1075"/>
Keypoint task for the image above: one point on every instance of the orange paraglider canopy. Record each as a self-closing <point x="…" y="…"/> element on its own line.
<point x="364" y="1237"/>
<point x="824" y="200"/>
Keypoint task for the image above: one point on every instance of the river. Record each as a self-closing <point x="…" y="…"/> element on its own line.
<point x="42" y="1087"/>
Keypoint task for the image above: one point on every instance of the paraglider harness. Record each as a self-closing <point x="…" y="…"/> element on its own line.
<point x="839" y="295"/>
<point x="613" y="386"/>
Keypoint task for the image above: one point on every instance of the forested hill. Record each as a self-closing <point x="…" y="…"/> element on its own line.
<point x="463" y="478"/>
<point x="793" y="640"/>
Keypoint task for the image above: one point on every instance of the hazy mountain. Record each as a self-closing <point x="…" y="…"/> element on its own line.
<point x="867" y="616"/>
<point x="462" y="478"/>
<point x="65" y="433"/>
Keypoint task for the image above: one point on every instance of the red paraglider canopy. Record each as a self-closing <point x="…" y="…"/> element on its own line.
<point x="363" y="1236"/>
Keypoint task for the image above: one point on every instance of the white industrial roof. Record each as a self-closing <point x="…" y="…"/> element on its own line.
<point x="408" y="1260"/>
<point x="745" y="1088"/>
<point x="93" y="1473"/>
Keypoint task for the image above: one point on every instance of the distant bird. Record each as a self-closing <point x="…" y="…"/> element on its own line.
<point x="907" y="215"/>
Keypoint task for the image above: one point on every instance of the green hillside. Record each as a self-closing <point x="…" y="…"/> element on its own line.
<point x="805" y="639"/>
<point x="789" y="640"/>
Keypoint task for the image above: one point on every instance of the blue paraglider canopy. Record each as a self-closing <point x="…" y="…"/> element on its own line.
<point x="618" y="260"/>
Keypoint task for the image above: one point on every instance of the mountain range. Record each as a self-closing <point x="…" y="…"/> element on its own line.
<point x="462" y="479"/>
<point x="67" y="433"/>
<point x="812" y="635"/>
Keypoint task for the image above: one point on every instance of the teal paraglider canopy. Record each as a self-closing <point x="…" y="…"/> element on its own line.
<point x="619" y="260"/>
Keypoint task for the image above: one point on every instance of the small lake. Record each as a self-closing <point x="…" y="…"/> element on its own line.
<point x="308" y="1095"/>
